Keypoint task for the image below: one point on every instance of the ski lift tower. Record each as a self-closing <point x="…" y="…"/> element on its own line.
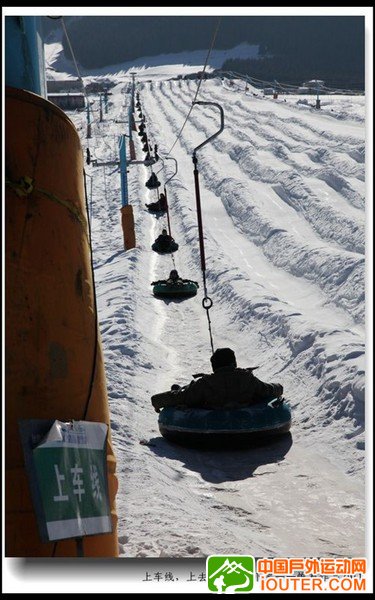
<point x="275" y="90"/>
<point x="133" y="74"/>
<point x="315" y="85"/>
<point x="318" y="85"/>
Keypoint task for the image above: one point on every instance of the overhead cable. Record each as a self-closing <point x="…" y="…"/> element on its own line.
<point x="199" y="84"/>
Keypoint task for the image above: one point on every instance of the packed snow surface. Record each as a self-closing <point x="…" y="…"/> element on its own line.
<point x="283" y="208"/>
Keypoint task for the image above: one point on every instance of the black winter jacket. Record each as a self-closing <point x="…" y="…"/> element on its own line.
<point x="228" y="387"/>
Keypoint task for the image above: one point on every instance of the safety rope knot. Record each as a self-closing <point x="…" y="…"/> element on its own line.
<point x="23" y="187"/>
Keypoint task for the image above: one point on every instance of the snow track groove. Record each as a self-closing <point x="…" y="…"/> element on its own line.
<point x="249" y="211"/>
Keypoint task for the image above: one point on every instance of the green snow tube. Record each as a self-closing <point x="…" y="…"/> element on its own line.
<point x="175" y="290"/>
<point x="225" y="428"/>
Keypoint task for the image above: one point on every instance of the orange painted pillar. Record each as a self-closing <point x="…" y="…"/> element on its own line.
<point x="54" y="364"/>
<point x="132" y="150"/>
<point x="127" y="222"/>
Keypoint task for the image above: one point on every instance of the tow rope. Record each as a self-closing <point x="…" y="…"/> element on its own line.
<point x="207" y="302"/>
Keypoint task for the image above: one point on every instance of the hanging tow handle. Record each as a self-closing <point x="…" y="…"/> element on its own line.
<point x="162" y="166"/>
<point x="175" y="173"/>
<point x="165" y="189"/>
<point x="157" y="172"/>
<point x="217" y="132"/>
<point x="207" y="301"/>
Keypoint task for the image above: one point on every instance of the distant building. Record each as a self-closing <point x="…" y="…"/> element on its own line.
<point x="68" y="101"/>
<point x="63" y="85"/>
<point x="95" y="87"/>
<point x="268" y="91"/>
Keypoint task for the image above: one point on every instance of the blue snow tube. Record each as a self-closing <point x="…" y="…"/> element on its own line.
<point x="225" y="428"/>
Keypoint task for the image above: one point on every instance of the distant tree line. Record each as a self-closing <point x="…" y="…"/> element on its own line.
<point x="279" y="68"/>
<point x="292" y="49"/>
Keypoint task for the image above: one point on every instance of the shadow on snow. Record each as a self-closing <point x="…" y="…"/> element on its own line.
<point x="224" y="465"/>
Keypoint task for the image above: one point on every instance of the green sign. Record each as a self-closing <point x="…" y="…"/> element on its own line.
<point x="230" y="574"/>
<point x="68" y="470"/>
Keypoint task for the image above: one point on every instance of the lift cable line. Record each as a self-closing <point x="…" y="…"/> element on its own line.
<point x="207" y="301"/>
<point x="165" y="194"/>
<point x="75" y="61"/>
<point x="260" y="84"/>
<point x="72" y="53"/>
<point x="162" y="159"/>
<point x="165" y="190"/>
<point x="199" y="84"/>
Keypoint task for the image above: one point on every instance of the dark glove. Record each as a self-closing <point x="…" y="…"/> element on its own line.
<point x="277" y="402"/>
<point x="279" y="389"/>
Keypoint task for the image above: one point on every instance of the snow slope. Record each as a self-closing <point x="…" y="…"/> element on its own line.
<point x="155" y="67"/>
<point x="283" y="198"/>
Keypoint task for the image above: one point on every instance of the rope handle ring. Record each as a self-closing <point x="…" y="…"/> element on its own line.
<point x="207" y="302"/>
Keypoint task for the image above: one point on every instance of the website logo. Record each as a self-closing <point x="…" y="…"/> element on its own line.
<point x="230" y="574"/>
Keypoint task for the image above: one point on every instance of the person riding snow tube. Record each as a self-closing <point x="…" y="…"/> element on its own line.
<point x="159" y="206"/>
<point x="164" y="243"/>
<point x="227" y="408"/>
<point x="152" y="182"/>
<point x="175" y="287"/>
